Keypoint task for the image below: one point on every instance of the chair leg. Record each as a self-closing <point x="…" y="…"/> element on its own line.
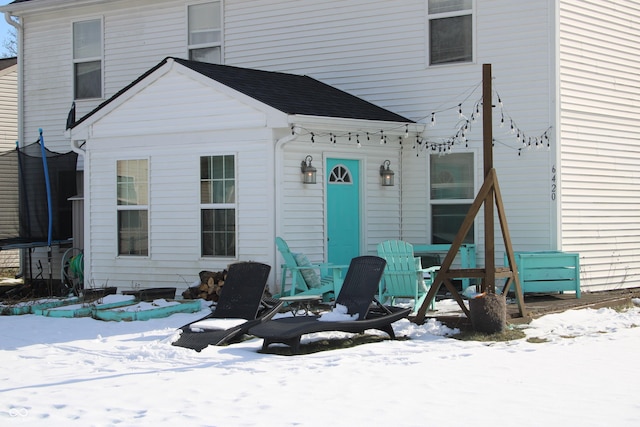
<point x="293" y="343"/>
<point x="389" y="330"/>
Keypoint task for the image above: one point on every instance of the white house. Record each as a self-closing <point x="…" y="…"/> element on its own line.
<point x="213" y="175"/>
<point x="565" y="119"/>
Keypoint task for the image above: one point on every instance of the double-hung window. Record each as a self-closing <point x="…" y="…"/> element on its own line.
<point x="452" y="193"/>
<point x="450" y="31"/>
<point x="218" y="206"/>
<point x="87" y="59"/>
<point x="205" y="32"/>
<point x="133" y="207"/>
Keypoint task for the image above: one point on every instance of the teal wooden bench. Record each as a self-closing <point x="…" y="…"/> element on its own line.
<point x="467" y="253"/>
<point x="547" y="271"/>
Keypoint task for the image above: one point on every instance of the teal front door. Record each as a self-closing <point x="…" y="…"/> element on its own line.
<point x="343" y="210"/>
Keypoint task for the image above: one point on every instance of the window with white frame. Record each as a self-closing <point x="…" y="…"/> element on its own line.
<point x="451" y="187"/>
<point x="87" y="59"/>
<point x="205" y="32"/>
<point x="218" y="206"/>
<point x="450" y="31"/>
<point x="133" y="207"/>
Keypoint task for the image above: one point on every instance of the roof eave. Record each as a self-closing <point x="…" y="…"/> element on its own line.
<point x="45" y="5"/>
<point x="354" y="125"/>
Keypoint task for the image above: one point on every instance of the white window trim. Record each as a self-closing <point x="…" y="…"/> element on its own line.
<point x="474" y="37"/>
<point x="133" y="208"/>
<point x="432" y="202"/>
<point x="219" y="44"/>
<point x="100" y="58"/>
<point x="219" y="205"/>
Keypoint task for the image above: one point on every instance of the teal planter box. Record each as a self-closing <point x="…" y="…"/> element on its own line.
<point x="127" y="314"/>
<point x="547" y="271"/>
<point x="86" y="310"/>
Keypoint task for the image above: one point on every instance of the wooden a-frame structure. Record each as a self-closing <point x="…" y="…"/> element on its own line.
<point x="488" y="194"/>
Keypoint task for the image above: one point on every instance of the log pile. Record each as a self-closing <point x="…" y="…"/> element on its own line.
<point x="210" y="287"/>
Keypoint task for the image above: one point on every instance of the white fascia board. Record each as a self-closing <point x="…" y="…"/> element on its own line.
<point x="45" y="5"/>
<point x="354" y="125"/>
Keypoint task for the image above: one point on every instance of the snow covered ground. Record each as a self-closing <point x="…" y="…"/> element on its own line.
<point x="579" y="367"/>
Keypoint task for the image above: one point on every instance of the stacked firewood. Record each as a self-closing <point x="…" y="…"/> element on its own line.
<point x="210" y="287"/>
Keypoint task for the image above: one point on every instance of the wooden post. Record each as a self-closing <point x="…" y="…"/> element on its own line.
<point x="490" y="196"/>
<point x="489" y="282"/>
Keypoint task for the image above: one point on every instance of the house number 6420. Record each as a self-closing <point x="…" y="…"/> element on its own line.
<point x="554" y="185"/>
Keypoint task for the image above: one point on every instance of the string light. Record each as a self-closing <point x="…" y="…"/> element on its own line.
<point x="445" y="145"/>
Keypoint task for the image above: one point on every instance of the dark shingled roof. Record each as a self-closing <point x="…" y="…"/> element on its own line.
<point x="7" y="62"/>
<point x="289" y="93"/>
<point x="293" y="94"/>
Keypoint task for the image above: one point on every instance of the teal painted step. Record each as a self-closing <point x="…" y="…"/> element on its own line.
<point x="87" y="310"/>
<point x="129" y="313"/>
<point x="36" y="307"/>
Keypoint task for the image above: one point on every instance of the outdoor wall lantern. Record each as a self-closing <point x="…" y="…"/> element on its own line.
<point x="386" y="174"/>
<point x="308" y="171"/>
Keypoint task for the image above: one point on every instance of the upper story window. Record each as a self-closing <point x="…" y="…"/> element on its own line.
<point x="205" y="32"/>
<point x="87" y="59"/>
<point x="450" y="31"/>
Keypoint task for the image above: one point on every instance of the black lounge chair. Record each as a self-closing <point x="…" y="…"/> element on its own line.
<point x="241" y="300"/>
<point x="357" y="294"/>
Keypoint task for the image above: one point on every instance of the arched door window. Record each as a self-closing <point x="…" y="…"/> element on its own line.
<point x="340" y="175"/>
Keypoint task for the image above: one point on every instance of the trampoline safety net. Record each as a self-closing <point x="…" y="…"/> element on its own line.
<point x="24" y="216"/>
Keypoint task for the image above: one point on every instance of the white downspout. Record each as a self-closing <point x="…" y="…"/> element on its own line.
<point x="278" y="154"/>
<point x="18" y="27"/>
<point x="76" y="147"/>
<point x="20" y="142"/>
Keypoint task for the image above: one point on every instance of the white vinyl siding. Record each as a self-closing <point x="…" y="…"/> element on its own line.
<point x="174" y="164"/>
<point x="8" y="108"/>
<point x="600" y="112"/>
<point x="8" y="138"/>
<point x="134" y="41"/>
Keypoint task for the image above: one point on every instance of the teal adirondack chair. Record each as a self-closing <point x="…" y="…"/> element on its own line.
<point x="404" y="276"/>
<point x="307" y="278"/>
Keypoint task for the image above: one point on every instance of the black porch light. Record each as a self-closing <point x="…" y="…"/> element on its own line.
<point x="308" y="171"/>
<point x="386" y="174"/>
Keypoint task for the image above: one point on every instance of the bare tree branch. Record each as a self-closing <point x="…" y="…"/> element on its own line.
<point x="10" y="44"/>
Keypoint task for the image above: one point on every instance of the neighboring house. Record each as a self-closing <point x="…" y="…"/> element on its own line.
<point x="8" y="138"/>
<point x="566" y="130"/>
